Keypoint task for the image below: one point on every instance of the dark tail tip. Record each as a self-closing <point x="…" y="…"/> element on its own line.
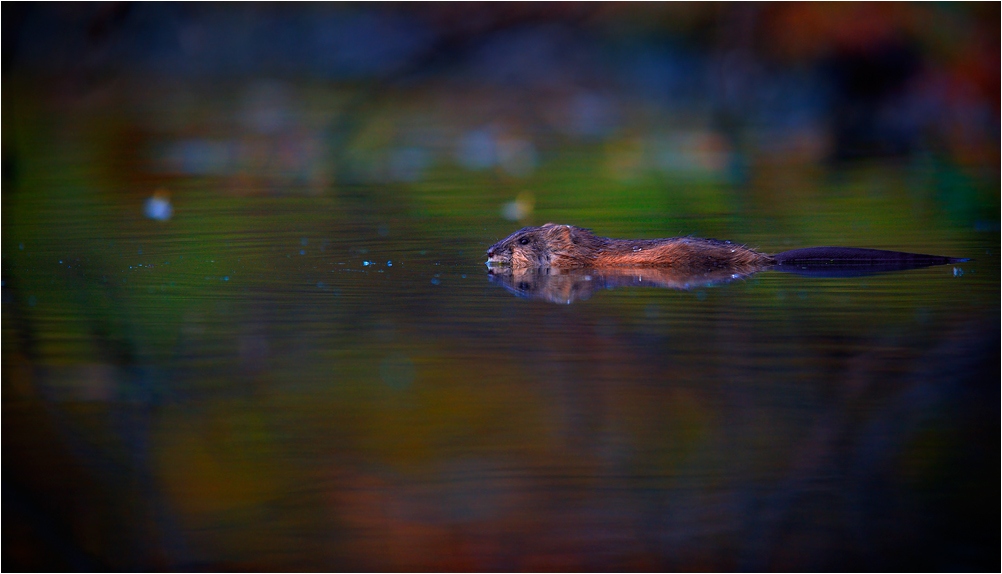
<point x="858" y="257"/>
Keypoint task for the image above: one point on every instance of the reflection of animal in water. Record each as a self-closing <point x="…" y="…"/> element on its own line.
<point x="565" y="263"/>
<point x="578" y="284"/>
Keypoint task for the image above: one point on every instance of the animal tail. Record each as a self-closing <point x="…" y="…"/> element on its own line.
<point x="858" y="257"/>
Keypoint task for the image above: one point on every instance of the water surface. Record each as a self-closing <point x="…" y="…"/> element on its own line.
<point x="292" y="377"/>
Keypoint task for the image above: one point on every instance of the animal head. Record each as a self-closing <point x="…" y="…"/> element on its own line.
<point x="549" y="245"/>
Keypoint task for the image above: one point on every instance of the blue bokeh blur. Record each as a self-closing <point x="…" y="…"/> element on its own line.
<point x="796" y="82"/>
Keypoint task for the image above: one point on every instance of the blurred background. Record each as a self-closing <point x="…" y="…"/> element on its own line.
<point x="245" y="324"/>
<point x="393" y="90"/>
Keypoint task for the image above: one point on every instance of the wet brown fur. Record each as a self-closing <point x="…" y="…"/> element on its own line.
<point x="567" y="246"/>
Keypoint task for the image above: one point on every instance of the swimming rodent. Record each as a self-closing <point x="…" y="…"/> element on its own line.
<point x="566" y="246"/>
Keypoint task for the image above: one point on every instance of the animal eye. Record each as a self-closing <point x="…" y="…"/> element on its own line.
<point x="524" y="241"/>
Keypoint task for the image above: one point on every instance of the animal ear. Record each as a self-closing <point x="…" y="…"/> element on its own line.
<point x="566" y="233"/>
<point x="575" y="233"/>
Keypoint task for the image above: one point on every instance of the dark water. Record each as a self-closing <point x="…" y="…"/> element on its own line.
<point x="287" y="375"/>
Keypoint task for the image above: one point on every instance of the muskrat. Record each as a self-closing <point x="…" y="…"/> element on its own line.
<point x="566" y="246"/>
